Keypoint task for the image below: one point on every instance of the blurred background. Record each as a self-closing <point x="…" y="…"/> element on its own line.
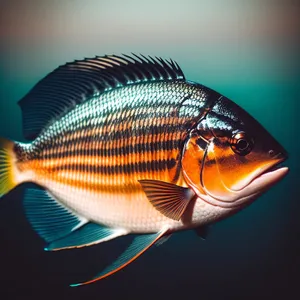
<point x="246" y="50"/>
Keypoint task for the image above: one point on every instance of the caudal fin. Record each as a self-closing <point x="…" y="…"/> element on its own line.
<point x="8" y="178"/>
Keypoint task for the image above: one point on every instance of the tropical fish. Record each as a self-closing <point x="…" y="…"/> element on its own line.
<point x="123" y="145"/>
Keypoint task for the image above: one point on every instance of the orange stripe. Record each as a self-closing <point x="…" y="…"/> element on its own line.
<point x="105" y="161"/>
<point x="100" y="183"/>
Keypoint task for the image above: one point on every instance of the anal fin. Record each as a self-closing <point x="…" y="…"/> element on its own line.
<point x="50" y="219"/>
<point x="87" y="235"/>
<point x="140" y="244"/>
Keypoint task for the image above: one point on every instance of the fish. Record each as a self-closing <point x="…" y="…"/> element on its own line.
<point x="119" y="145"/>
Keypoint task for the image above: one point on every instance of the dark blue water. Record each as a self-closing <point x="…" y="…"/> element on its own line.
<point x="239" y="50"/>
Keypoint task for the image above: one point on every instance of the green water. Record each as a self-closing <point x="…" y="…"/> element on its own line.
<point x="248" y="51"/>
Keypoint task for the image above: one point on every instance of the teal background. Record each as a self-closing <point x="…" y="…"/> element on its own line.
<point x="246" y="50"/>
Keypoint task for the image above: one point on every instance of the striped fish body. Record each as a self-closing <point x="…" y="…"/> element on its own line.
<point x="92" y="158"/>
<point x="125" y="145"/>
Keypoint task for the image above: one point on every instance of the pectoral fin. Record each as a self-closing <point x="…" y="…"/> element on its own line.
<point x="139" y="245"/>
<point x="169" y="199"/>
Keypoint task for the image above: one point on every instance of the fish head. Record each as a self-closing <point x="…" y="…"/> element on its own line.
<point x="230" y="158"/>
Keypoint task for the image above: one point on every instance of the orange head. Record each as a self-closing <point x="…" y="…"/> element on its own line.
<point x="228" y="158"/>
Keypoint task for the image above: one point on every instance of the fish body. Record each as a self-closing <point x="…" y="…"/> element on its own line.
<point x="102" y="148"/>
<point x="125" y="145"/>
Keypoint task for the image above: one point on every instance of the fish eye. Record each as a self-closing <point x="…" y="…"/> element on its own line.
<point x="241" y="143"/>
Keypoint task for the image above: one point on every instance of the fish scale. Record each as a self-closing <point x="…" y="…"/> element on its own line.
<point x="56" y="151"/>
<point x="154" y="158"/>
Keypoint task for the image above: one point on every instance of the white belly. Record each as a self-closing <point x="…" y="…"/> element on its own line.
<point x="132" y="212"/>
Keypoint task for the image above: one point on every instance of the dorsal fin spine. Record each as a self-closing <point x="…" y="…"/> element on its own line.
<point x="73" y="83"/>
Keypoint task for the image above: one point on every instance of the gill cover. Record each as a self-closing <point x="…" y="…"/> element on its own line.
<point x="192" y="161"/>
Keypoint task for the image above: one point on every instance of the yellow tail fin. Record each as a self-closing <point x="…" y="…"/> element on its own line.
<point x="7" y="166"/>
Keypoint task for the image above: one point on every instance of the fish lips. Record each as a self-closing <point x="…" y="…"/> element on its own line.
<point x="267" y="179"/>
<point x="264" y="180"/>
<point x="271" y="166"/>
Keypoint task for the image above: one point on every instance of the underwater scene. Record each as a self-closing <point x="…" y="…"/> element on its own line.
<point x="248" y="52"/>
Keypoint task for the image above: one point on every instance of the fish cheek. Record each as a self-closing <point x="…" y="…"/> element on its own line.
<point x="224" y="170"/>
<point x="233" y="168"/>
<point x="191" y="162"/>
<point x="211" y="176"/>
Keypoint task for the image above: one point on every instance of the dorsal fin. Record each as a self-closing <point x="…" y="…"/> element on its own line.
<point x="74" y="82"/>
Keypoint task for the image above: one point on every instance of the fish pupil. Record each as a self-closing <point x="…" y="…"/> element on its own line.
<point x="242" y="144"/>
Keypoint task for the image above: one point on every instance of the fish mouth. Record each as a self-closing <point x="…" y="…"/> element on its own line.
<point x="264" y="180"/>
<point x="268" y="175"/>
